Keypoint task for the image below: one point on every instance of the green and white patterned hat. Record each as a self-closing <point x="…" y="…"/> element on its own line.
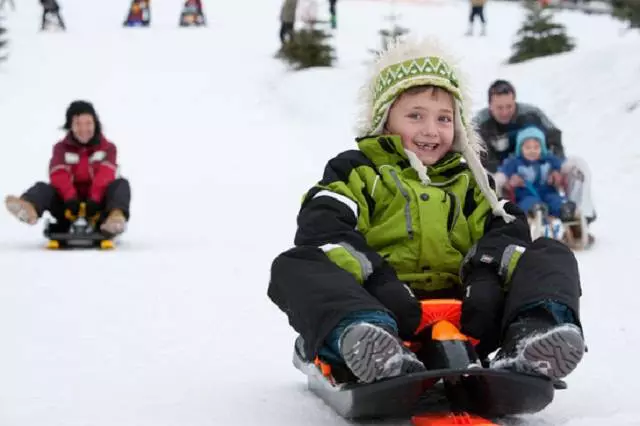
<point x="411" y="63"/>
<point x="396" y="78"/>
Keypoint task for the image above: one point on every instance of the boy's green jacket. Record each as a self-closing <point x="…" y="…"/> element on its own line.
<point x="374" y="220"/>
<point x="422" y="230"/>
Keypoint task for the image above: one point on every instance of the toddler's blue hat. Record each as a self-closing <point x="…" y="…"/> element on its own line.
<point x="531" y="132"/>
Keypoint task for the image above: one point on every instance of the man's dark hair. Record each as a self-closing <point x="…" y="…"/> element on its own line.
<point x="501" y="87"/>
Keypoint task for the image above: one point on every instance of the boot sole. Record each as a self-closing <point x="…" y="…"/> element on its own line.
<point x="117" y="230"/>
<point x="370" y="352"/>
<point x="16" y="208"/>
<point x="555" y="353"/>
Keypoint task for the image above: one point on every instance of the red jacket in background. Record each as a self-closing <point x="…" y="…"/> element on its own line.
<point x="83" y="171"/>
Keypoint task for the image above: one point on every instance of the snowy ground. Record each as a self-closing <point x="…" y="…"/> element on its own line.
<point x="219" y="142"/>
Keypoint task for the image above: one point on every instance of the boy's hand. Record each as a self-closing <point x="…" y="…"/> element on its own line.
<point x="516" y="181"/>
<point x="555" y="179"/>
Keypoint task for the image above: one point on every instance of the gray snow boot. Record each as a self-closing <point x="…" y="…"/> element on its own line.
<point x="532" y="346"/>
<point x="372" y="353"/>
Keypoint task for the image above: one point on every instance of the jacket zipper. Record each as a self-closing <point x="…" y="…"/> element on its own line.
<point x="407" y="206"/>
<point x="454" y="211"/>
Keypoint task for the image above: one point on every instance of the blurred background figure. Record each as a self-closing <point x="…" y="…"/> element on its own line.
<point x="477" y="9"/>
<point x="333" y="13"/>
<point x="11" y="2"/>
<point x="139" y="14"/>
<point x="287" y="20"/>
<point x="51" y="10"/>
<point x="192" y="14"/>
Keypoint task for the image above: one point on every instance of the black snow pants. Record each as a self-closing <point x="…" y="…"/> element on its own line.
<point x="286" y="32"/>
<point x="316" y="294"/>
<point x="477" y="11"/>
<point x="332" y="7"/>
<point x="54" y="12"/>
<point x="44" y="197"/>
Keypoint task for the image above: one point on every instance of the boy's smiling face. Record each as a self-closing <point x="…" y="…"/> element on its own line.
<point x="424" y="117"/>
<point x="531" y="149"/>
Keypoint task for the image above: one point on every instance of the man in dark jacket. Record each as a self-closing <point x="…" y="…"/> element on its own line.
<point x="499" y="123"/>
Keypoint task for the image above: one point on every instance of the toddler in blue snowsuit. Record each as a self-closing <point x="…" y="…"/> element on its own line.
<point x="534" y="173"/>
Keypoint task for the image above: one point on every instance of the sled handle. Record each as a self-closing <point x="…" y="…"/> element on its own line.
<point x="444" y="330"/>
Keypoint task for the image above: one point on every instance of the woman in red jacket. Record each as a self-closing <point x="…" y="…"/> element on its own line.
<point x="83" y="168"/>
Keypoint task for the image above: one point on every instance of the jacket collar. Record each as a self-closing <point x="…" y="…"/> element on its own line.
<point x="94" y="142"/>
<point x="388" y="149"/>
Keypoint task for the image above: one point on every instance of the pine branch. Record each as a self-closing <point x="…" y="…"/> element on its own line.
<point x="308" y="48"/>
<point x="3" y="42"/>
<point x="539" y="35"/>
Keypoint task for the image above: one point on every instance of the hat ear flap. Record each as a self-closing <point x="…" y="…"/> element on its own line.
<point x="459" y="137"/>
<point x="465" y="133"/>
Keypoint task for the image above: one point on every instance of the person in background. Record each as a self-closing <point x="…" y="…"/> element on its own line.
<point x="287" y="20"/>
<point x="83" y="169"/>
<point x="500" y="122"/>
<point x="333" y="13"/>
<point x="51" y="8"/>
<point x="477" y="9"/>
<point x="11" y="2"/>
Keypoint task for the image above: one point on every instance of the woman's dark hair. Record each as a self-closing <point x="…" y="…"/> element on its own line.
<point x="78" y="108"/>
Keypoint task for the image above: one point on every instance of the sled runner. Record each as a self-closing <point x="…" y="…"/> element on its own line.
<point x="569" y="232"/>
<point x="573" y="232"/>
<point x="455" y="389"/>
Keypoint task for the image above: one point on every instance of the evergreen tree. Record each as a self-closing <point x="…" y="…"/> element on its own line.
<point x="539" y="35"/>
<point x="308" y="47"/>
<point x="627" y="10"/>
<point x="3" y="42"/>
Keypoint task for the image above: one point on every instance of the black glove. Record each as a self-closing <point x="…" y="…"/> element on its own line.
<point x="384" y="285"/>
<point x="92" y="210"/>
<point x="71" y="209"/>
<point x="500" y="246"/>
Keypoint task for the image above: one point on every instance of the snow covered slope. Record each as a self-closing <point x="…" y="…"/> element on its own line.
<point x="219" y="141"/>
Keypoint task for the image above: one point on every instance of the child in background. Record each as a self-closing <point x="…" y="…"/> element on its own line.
<point x="535" y="176"/>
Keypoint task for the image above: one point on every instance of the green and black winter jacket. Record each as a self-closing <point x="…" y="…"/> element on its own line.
<point x="371" y="204"/>
<point x="371" y="227"/>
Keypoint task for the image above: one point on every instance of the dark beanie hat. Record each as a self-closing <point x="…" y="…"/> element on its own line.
<point x="78" y="108"/>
